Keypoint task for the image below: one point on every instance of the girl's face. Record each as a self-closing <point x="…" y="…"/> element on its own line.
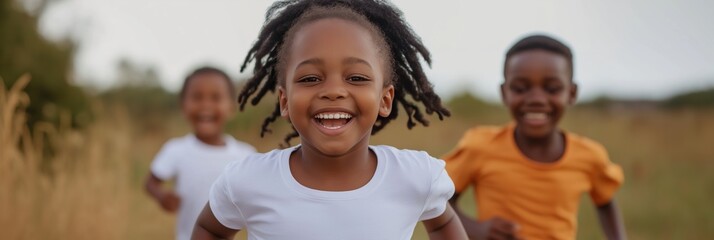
<point x="334" y="86"/>
<point x="537" y="91"/>
<point x="207" y="104"/>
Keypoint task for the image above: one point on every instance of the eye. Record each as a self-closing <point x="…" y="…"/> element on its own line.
<point x="553" y="89"/>
<point x="518" y="89"/>
<point x="357" y="78"/>
<point x="309" y="79"/>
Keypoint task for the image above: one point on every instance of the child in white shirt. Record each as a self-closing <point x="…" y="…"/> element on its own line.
<point x="194" y="161"/>
<point x="341" y="68"/>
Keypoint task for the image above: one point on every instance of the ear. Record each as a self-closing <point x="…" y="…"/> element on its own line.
<point x="573" y="94"/>
<point x="503" y="92"/>
<point x="385" y="105"/>
<point x="283" y="101"/>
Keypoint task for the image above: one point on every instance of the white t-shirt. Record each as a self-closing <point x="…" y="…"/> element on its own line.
<point x="261" y="196"/>
<point x="195" y="166"/>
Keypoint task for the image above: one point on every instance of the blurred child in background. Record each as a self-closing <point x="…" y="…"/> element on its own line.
<point x="194" y="161"/>
<point x="341" y="69"/>
<point x="528" y="176"/>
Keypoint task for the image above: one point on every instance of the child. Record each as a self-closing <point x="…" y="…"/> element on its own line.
<point x="341" y="69"/>
<point x="196" y="160"/>
<point x="529" y="175"/>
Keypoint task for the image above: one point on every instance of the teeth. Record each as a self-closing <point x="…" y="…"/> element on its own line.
<point x="536" y="116"/>
<point x="338" y="115"/>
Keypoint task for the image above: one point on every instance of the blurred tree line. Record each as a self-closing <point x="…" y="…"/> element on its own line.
<point x="139" y="92"/>
<point x="24" y="50"/>
<point x="137" y="88"/>
<point x="698" y="98"/>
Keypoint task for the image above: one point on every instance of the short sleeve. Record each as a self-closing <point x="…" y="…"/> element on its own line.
<point x="459" y="165"/>
<point x="442" y="189"/>
<point x="607" y="177"/>
<point x="165" y="163"/>
<point x="220" y="200"/>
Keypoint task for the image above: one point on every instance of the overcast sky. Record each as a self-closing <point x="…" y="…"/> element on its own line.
<point x="631" y="49"/>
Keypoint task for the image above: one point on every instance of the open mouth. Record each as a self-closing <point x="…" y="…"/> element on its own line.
<point x="206" y="118"/>
<point x="536" y="118"/>
<point x="333" y="120"/>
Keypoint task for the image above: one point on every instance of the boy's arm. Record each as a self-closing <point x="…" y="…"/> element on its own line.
<point x="495" y="228"/>
<point x="168" y="200"/>
<point x="611" y="221"/>
<point x="446" y="226"/>
<point x="208" y="227"/>
<point x="473" y="228"/>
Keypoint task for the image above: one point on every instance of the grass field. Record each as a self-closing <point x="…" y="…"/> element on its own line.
<point x="90" y="187"/>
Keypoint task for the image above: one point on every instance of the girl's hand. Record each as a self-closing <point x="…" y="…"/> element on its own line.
<point x="170" y="202"/>
<point x="497" y="229"/>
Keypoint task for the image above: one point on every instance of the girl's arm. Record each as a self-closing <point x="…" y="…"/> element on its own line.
<point x="611" y="221"/>
<point x="208" y="227"/>
<point x="168" y="200"/>
<point x="473" y="228"/>
<point x="446" y="226"/>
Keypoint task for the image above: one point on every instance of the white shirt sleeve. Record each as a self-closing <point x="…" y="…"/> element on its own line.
<point x="165" y="163"/>
<point x="442" y="189"/>
<point x="220" y="200"/>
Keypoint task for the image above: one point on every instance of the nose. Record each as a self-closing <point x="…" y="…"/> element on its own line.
<point x="537" y="96"/>
<point x="333" y="89"/>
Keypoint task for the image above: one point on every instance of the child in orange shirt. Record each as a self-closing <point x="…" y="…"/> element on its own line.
<point x="528" y="176"/>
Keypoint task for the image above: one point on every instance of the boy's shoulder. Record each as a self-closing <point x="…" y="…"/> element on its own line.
<point x="582" y="145"/>
<point x="482" y="136"/>
<point x="177" y="144"/>
<point x="240" y="145"/>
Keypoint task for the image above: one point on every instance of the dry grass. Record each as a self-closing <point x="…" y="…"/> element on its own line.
<point x="91" y="186"/>
<point x="78" y="192"/>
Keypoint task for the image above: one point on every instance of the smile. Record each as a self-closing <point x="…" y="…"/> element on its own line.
<point x="536" y="118"/>
<point x="333" y="120"/>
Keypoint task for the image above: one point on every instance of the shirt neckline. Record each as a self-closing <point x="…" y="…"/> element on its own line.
<point x="532" y="162"/>
<point x="212" y="148"/>
<point x="293" y="184"/>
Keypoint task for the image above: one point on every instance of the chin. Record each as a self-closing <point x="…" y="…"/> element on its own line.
<point x="537" y="132"/>
<point x="332" y="147"/>
<point x="207" y="132"/>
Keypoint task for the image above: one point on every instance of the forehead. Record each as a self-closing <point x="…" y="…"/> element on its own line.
<point x="207" y="80"/>
<point x="332" y="38"/>
<point x="537" y="62"/>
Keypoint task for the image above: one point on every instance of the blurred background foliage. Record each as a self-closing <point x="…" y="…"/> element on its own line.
<point x="24" y="50"/>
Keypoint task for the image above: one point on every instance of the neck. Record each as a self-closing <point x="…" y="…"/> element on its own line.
<point x="312" y="159"/>
<point x="344" y="172"/>
<point x="214" y="140"/>
<point x="548" y="148"/>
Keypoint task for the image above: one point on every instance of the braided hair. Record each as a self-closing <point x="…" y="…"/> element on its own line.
<point x="402" y="51"/>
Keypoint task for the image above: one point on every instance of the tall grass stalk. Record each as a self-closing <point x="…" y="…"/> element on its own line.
<point x="78" y="190"/>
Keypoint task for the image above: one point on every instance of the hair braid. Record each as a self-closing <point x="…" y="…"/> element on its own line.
<point x="404" y="46"/>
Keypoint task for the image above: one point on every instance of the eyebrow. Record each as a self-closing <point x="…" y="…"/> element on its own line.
<point x="347" y="61"/>
<point x="354" y="60"/>
<point x="312" y="61"/>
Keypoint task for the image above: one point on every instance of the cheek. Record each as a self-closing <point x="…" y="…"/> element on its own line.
<point x="513" y="100"/>
<point x="560" y="101"/>
<point x="189" y="107"/>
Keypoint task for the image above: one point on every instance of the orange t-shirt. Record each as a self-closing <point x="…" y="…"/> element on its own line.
<point x="542" y="198"/>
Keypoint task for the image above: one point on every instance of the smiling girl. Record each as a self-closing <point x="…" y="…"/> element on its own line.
<point x="341" y="70"/>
